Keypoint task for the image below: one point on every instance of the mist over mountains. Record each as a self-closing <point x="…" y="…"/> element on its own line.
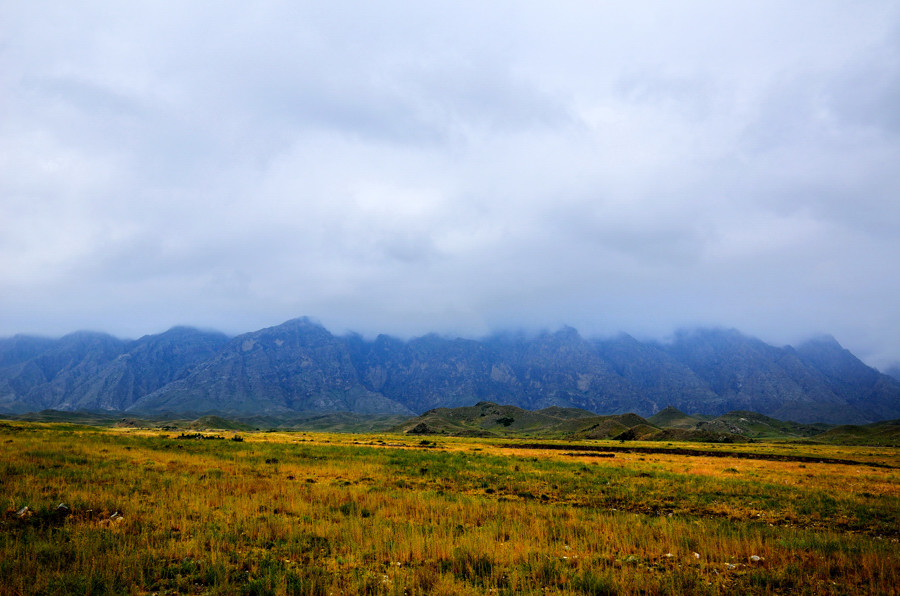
<point x="300" y="366"/>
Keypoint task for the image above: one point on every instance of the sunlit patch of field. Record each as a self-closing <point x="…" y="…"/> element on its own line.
<point x="303" y="513"/>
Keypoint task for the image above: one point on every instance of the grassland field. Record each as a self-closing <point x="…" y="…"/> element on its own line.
<point x="91" y="510"/>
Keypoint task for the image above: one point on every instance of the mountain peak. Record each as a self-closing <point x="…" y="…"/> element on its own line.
<point x="893" y="371"/>
<point x="822" y="341"/>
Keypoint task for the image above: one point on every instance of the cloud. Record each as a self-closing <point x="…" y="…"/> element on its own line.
<point x="458" y="168"/>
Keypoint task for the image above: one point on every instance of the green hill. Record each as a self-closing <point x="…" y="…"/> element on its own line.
<point x="885" y="434"/>
<point x="672" y="417"/>
<point x="217" y="423"/>
<point x="758" y="426"/>
<point x="489" y="419"/>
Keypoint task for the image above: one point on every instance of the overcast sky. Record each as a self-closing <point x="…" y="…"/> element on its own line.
<point x="459" y="167"/>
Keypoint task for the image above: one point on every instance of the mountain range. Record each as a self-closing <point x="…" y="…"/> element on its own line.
<point x="299" y="366"/>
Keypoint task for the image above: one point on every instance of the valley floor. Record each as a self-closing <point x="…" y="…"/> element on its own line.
<point x="98" y="511"/>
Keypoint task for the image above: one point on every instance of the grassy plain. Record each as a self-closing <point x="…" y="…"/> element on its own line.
<point x="318" y="514"/>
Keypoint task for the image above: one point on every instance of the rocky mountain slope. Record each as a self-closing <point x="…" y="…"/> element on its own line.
<point x="300" y="366"/>
<point x="95" y="371"/>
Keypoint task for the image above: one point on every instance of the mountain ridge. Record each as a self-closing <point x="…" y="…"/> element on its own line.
<point x="299" y="366"/>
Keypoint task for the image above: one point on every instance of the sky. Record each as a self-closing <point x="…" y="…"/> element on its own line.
<point x="453" y="167"/>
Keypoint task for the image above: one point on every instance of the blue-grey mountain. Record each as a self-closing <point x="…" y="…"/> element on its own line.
<point x="300" y="366"/>
<point x="95" y="371"/>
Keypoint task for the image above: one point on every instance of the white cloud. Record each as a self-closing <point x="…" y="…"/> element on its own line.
<point x="452" y="167"/>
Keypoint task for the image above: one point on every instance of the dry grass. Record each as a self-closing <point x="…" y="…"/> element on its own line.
<point x="282" y="513"/>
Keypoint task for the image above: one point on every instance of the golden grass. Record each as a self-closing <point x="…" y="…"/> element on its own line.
<point x="304" y="513"/>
